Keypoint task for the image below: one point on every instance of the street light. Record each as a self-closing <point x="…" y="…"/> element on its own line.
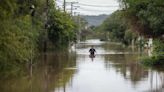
<point x="32" y="12"/>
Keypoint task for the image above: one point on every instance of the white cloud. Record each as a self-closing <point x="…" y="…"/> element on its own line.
<point x="91" y="7"/>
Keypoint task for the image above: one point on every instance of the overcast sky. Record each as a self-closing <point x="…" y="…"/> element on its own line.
<point x="93" y="7"/>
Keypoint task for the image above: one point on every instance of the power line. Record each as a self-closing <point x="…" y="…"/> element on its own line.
<point x="94" y="10"/>
<point x="83" y="4"/>
<point x="85" y="7"/>
<point x="97" y="5"/>
<point x="59" y="2"/>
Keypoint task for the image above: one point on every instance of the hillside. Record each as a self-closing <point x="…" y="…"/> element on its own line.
<point x="94" y="20"/>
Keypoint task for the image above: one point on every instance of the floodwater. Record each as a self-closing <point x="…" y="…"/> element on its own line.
<point x="113" y="69"/>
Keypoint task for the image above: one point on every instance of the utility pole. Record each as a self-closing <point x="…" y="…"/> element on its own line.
<point x="79" y="30"/>
<point x="72" y="8"/>
<point x="45" y="47"/>
<point x="64" y="5"/>
<point x="32" y="10"/>
<point x="46" y="26"/>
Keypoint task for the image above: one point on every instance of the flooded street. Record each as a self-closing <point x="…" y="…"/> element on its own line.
<point x="113" y="69"/>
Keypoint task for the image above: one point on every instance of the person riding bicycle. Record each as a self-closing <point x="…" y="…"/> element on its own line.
<point x="92" y="51"/>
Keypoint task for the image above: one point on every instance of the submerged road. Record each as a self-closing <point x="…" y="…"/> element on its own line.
<point x="114" y="69"/>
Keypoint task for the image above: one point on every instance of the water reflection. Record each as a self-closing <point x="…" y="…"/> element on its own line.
<point x="49" y="74"/>
<point x="127" y="65"/>
<point x="92" y="57"/>
<point x="113" y="69"/>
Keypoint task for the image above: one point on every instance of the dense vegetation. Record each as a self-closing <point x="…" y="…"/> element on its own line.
<point x="117" y="29"/>
<point x="136" y="20"/>
<point x="146" y="17"/>
<point x="24" y="30"/>
<point x="61" y="28"/>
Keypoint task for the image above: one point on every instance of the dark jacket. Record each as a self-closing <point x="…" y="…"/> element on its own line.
<point x="92" y="51"/>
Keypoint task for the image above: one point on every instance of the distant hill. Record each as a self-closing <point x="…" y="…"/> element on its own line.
<point x="94" y="20"/>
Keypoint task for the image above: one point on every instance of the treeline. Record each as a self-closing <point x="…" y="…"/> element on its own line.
<point x="146" y="18"/>
<point x="138" y="19"/>
<point x="28" y="27"/>
<point x="116" y="29"/>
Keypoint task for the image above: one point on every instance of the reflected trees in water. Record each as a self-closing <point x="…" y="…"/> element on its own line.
<point x="47" y="76"/>
<point x="127" y="65"/>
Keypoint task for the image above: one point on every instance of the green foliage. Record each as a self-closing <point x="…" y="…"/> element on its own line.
<point x="158" y="55"/>
<point x="159" y="50"/>
<point x="7" y="8"/>
<point x="153" y="61"/>
<point x="22" y="33"/>
<point x="61" y="28"/>
<point x="146" y="16"/>
<point x="116" y="27"/>
<point x="17" y="41"/>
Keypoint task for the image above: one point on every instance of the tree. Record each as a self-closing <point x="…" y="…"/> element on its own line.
<point x="61" y="27"/>
<point x="23" y="31"/>
<point x="146" y="16"/>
